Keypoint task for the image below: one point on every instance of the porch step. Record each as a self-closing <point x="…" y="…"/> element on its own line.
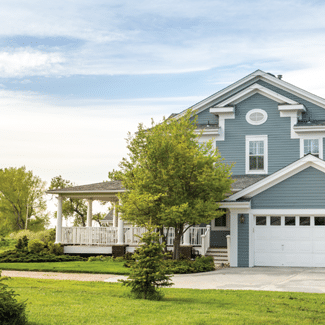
<point x="220" y="255"/>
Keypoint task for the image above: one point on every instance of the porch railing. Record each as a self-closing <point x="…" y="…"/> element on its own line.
<point x="109" y="235"/>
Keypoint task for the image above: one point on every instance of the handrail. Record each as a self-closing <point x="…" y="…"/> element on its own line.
<point x="206" y="240"/>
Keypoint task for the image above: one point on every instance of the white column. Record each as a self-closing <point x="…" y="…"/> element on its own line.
<point x="120" y="231"/>
<point x="186" y="236"/>
<point x="90" y="213"/>
<point x="228" y="247"/>
<point x="233" y="235"/>
<point x="58" y="236"/>
<point x="114" y="215"/>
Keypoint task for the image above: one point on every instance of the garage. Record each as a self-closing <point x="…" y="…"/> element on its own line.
<point x="289" y="240"/>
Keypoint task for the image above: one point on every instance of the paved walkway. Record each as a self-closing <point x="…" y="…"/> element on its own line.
<point x="257" y="278"/>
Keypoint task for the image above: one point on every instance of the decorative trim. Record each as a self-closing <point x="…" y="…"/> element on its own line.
<point x="256" y="110"/>
<point x="256" y="88"/>
<point x="220" y="110"/>
<point x="298" y="107"/>
<point x="320" y="144"/>
<point x="308" y="129"/>
<point x="248" y="139"/>
<point x="235" y="205"/>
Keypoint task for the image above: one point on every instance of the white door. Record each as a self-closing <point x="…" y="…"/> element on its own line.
<point x="290" y="241"/>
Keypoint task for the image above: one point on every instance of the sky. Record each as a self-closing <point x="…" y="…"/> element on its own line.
<point x="76" y="76"/>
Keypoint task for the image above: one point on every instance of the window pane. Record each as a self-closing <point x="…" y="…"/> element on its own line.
<point x="252" y="148"/>
<point x="275" y="221"/>
<point x="260" y="147"/>
<point x="319" y="221"/>
<point x="260" y="162"/>
<point x="290" y="221"/>
<point x="252" y="162"/>
<point x="221" y="221"/>
<point x="260" y="221"/>
<point x="311" y="146"/>
<point x="304" y="221"/>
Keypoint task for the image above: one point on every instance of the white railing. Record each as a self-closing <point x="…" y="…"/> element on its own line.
<point x="89" y="235"/>
<point x="205" y="240"/>
<point x="132" y="233"/>
<point x="109" y="235"/>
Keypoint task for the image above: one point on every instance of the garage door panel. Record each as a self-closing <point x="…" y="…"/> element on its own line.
<point x="284" y="245"/>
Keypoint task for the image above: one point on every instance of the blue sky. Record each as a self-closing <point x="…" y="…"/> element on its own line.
<point x="76" y="76"/>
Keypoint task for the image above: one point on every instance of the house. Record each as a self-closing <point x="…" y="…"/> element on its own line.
<point x="275" y="216"/>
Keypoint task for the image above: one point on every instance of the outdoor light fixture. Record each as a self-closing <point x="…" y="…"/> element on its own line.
<point x="242" y="218"/>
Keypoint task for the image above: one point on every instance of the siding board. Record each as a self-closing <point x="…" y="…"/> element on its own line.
<point x="243" y="242"/>
<point x="305" y="190"/>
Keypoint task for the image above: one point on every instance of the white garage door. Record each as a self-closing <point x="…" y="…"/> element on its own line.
<point x="290" y="241"/>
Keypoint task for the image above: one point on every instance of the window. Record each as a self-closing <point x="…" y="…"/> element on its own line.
<point x="290" y="221"/>
<point x="221" y="223"/>
<point x="260" y="221"/>
<point x="275" y="221"/>
<point x="319" y="221"/>
<point x="304" y="221"/>
<point x="312" y="146"/>
<point x="256" y="117"/>
<point x="256" y="154"/>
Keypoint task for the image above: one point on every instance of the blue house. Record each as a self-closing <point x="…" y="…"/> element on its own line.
<point x="273" y="131"/>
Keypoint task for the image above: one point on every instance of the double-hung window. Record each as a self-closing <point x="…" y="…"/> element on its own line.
<point x="312" y="146"/>
<point x="256" y="154"/>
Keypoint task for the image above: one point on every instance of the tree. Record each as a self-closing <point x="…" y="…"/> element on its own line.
<point x="73" y="208"/>
<point x="170" y="178"/>
<point x="22" y="200"/>
<point x="148" y="271"/>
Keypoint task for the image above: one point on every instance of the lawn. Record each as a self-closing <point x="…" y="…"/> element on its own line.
<point x="107" y="267"/>
<point x="72" y="302"/>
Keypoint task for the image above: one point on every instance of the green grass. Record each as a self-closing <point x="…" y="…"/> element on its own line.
<point x="110" y="267"/>
<point x="72" y="302"/>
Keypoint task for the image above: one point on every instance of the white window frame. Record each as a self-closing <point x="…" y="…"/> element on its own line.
<point x="227" y="227"/>
<point x="256" y="110"/>
<point x="311" y="137"/>
<point x="250" y="138"/>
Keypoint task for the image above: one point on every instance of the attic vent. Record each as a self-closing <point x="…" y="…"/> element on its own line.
<point x="256" y="116"/>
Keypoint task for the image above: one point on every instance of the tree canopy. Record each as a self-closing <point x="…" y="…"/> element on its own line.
<point x="171" y="178"/>
<point x="22" y="195"/>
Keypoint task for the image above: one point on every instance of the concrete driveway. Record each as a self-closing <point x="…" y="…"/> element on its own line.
<point x="296" y="279"/>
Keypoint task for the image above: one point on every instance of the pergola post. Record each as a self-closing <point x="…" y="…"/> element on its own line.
<point x="120" y="231"/>
<point x="114" y="215"/>
<point x="186" y="235"/>
<point x="58" y="234"/>
<point x="90" y="213"/>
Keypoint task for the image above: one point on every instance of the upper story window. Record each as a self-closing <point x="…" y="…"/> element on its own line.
<point x="256" y="116"/>
<point x="256" y="154"/>
<point x="312" y="145"/>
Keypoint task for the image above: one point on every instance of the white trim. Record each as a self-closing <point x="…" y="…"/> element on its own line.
<point x="214" y="131"/>
<point x="235" y="205"/>
<point x="234" y="237"/>
<point x="288" y="212"/>
<point x="248" y="139"/>
<point x="309" y="137"/>
<point x="279" y="176"/>
<point x="309" y="129"/>
<point x="252" y="90"/>
<point x="298" y="107"/>
<point x="220" y="110"/>
<point x="256" y="110"/>
<point x="222" y="128"/>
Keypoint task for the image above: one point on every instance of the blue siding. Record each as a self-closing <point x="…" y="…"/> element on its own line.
<point x="243" y="242"/>
<point x="305" y="190"/>
<point x="218" y="238"/>
<point x="205" y="116"/>
<point x="282" y="150"/>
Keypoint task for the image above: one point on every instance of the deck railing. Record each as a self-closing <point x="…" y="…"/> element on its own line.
<point x="109" y="235"/>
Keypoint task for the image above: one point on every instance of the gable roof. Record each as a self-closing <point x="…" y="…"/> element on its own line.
<point x="279" y="176"/>
<point x="255" y="76"/>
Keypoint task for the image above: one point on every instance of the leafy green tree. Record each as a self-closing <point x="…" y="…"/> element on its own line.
<point x="170" y="178"/>
<point x="148" y="272"/>
<point x="22" y="196"/>
<point x="73" y="208"/>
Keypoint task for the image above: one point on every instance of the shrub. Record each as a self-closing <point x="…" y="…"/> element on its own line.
<point x="46" y="236"/>
<point x="20" y="234"/>
<point x="55" y="249"/>
<point x="22" y="243"/>
<point x="100" y="258"/>
<point x="12" y="312"/>
<point x="200" y="264"/>
<point x="36" y="246"/>
<point x="147" y="271"/>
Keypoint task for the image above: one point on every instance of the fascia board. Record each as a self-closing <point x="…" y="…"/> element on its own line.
<point x="253" y="89"/>
<point x="220" y="110"/>
<point x="85" y="192"/>
<point x="279" y="176"/>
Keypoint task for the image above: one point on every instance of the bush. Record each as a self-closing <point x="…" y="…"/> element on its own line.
<point x="200" y="264"/>
<point x="55" y="249"/>
<point x="12" y="312"/>
<point x="22" y="243"/>
<point x="36" y="246"/>
<point x="100" y="258"/>
<point x="46" y="236"/>
<point x="148" y="273"/>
